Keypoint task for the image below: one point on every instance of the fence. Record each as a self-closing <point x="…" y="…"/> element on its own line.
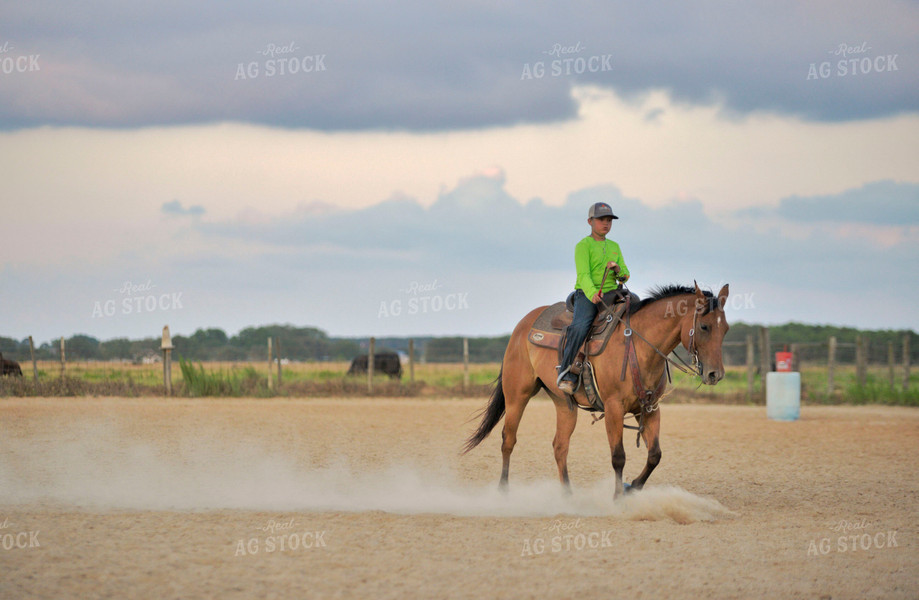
<point x="62" y="367"/>
<point x="760" y="352"/>
<point x="755" y="353"/>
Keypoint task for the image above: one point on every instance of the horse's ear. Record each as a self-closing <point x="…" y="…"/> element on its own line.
<point x="700" y="298"/>
<point x="723" y="296"/>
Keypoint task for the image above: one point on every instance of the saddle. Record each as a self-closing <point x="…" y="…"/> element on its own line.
<point x="548" y="331"/>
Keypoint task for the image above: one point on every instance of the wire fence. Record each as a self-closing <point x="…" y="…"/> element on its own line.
<point x="873" y="364"/>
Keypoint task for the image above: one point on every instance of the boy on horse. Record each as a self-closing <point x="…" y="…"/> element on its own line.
<point x="592" y="256"/>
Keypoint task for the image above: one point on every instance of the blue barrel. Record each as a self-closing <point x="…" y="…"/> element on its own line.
<point x="783" y="396"/>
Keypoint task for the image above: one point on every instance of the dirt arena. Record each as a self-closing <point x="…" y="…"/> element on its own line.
<point x="368" y="498"/>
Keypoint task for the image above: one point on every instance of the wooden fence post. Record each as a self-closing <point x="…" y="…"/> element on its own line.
<point x="795" y="361"/>
<point x="411" y="360"/>
<point x="370" y="362"/>
<point x="465" y="364"/>
<point x="63" y="360"/>
<point x="765" y="363"/>
<point x="166" y="346"/>
<point x="830" y="365"/>
<point x="751" y="367"/>
<point x="277" y="352"/>
<point x="891" y="362"/>
<point x="34" y="364"/>
<point x="906" y="361"/>
<point x="860" y="366"/>
<point x="270" y="365"/>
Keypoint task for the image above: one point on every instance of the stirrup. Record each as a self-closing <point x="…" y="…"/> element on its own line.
<point x="558" y="380"/>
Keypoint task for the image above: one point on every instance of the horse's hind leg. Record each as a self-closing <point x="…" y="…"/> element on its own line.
<point x="566" y="417"/>
<point x="651" y="436"/>
<point x="520" y="384"/>
<point x="515" y="402"/>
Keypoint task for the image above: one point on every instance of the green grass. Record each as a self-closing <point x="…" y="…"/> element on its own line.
<point x="222" y="382"/>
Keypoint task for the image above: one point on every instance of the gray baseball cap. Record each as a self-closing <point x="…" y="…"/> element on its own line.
<point x="600" y="209"/>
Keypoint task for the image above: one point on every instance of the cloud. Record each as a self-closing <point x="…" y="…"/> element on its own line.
<point x="478" y="227"/>
<point x="475" y="224"/>
<point x="879" y="202"/>
<point x="445" y="66"/>
<point x="175" y="208"/>
<point x="334" y="268"/>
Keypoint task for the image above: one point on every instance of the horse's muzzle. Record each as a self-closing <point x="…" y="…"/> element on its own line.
<point x="712" y="377"/>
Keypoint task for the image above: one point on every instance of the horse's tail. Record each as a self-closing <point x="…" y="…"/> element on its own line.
<point x="491" y="414"/>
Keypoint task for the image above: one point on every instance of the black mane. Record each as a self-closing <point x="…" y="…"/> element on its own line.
<point x="662" y="292"/>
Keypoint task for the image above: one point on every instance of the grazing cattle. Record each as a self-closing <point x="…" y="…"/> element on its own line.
<point x="9" y="367"/>
<point x="383" y="362"/>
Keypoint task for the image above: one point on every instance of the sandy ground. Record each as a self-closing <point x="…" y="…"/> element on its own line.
<point x="368" y="498"/>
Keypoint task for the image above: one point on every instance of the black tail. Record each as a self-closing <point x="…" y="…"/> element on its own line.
<point x="491" y="414"/>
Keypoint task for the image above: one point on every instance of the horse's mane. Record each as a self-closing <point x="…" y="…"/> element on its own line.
<point x="663" y="292"/>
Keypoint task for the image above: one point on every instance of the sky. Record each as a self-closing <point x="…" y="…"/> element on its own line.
<point x="410" y="169"/>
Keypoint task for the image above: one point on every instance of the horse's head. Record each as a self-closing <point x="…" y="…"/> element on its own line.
<point x="703" y="332"/>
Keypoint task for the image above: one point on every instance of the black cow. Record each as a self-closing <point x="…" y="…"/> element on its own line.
<point x="383" y="362"/>
<point x="9" y="367"/>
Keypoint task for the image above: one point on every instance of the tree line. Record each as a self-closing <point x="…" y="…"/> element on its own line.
<point x="297" y="343"/>
<point x="312" y="344"/>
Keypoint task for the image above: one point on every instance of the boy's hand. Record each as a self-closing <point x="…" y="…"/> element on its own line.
<point x="596" y="297"/>
<point x="612" y="265"/>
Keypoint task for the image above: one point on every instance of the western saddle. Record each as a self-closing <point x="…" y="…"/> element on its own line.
<point x="550" y="327"/>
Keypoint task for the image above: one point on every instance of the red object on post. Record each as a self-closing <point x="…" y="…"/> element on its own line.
<point x="783" y="361"/>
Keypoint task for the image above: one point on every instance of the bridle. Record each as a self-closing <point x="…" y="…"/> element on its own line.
<point x="692" y="368"/>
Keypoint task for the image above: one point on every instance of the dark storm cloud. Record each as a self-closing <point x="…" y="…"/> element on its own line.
<point x="440" y="65"/>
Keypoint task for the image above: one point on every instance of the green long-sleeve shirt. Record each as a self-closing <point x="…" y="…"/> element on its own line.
<point x="590" y="259"/>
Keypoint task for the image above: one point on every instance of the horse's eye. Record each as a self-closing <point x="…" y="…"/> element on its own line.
<point x="704" y="327"/>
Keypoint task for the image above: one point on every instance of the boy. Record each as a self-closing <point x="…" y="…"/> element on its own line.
<point x="592" y="255"/>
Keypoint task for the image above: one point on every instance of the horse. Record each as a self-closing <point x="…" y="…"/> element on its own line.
<point x="671" y="315"/>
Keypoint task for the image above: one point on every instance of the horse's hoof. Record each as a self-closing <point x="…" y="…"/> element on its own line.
<point x="627" y="488"/>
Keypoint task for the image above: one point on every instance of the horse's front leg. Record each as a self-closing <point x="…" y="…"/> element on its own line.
<point x="566" y="419"/>
<point x="651" y="436"/>
<point x="613" y="417"/>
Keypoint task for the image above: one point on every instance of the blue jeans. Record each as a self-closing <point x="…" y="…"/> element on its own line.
<point x="585" y="312"/>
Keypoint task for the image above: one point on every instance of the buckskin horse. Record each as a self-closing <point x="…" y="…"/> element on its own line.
<point x="671" y="315"/>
